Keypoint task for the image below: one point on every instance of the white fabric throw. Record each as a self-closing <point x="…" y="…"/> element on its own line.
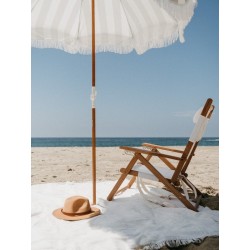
<point x="126" y="222"/>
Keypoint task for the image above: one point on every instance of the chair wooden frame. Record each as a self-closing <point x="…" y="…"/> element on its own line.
<point x="143" y="156"/>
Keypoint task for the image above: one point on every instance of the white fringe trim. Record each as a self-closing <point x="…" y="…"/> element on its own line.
<point x="157" y="40"/>
<point x="78" y="49"/>
<point x="174" y="243"/>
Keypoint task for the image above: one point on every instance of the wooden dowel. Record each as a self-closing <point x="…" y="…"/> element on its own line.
<point x="93" y="108"/>
<point x="93" y="156"/>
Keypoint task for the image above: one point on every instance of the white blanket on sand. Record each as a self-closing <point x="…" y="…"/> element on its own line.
<point x="127" y="222"/>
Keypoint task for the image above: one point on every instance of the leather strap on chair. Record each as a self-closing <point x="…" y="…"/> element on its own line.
<point x="185" y="187"/>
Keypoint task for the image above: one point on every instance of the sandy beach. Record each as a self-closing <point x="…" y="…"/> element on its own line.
<point x="62" y="164"/>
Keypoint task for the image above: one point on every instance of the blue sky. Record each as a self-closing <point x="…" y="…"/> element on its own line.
<point x="154" y="94"/>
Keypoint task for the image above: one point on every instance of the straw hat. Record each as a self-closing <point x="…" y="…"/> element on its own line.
<point x="76" y="208"/>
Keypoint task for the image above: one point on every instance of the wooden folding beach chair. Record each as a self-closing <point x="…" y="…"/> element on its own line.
<point x="173" y="176"/>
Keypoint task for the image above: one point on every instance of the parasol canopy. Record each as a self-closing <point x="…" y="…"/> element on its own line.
<point x="120" y="25"/>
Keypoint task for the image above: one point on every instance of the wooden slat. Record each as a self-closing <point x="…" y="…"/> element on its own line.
<point x="189" y="158"/>
<point x="162" y="147"/>
<point x="182" y="161"/>
<point x="143" y="151"/>
<point x="131" y="172"/>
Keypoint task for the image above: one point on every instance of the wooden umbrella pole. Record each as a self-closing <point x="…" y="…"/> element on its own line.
<point x="93" y="106"/>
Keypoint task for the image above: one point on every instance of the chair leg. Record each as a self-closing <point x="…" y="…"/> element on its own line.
<point x="131" y="182"/>
<point x="129" y="185"/>
<point x="122" y="178"/>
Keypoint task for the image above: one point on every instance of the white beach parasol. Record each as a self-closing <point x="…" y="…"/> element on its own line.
<point x="120" y="26"/>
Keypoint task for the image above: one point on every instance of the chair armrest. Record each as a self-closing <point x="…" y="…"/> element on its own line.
<point x="148" y="152"/>
<point x="162" y="147"/>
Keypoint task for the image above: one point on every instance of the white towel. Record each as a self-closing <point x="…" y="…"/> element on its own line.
<point x="126" y="222"/>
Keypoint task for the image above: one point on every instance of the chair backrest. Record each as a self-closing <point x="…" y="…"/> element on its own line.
<point x="200" y="119"/>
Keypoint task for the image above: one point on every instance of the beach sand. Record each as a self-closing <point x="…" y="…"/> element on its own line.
<point x="61" y="164"/>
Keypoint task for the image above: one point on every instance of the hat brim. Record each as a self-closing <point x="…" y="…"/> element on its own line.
<point x="60" y="215"/>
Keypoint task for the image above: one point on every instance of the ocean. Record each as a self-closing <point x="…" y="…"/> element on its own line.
<point x="116" y="142"/>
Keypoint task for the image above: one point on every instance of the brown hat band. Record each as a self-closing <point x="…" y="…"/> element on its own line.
<point x="74" y="214"/>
